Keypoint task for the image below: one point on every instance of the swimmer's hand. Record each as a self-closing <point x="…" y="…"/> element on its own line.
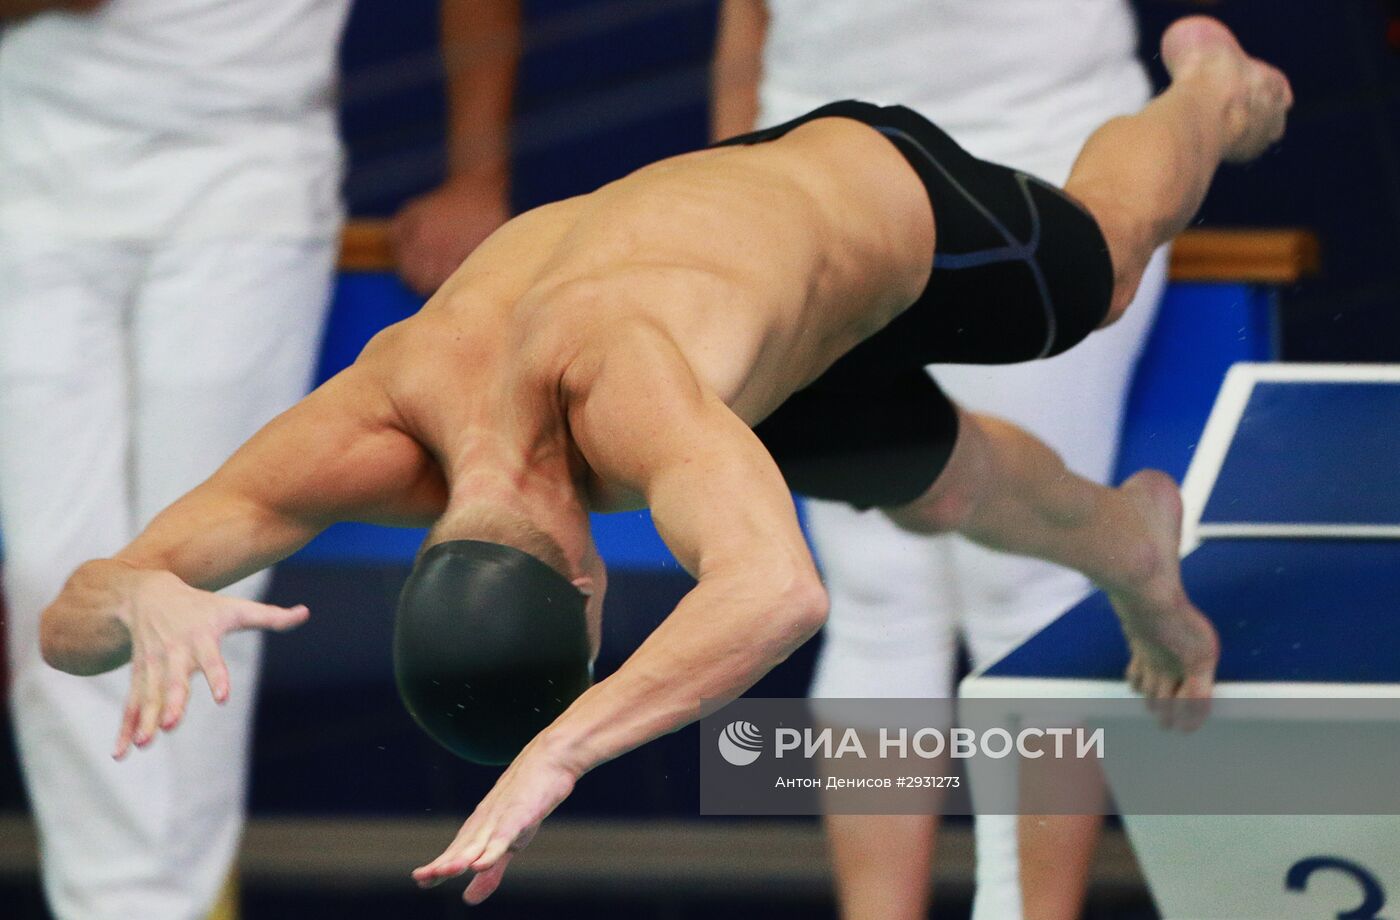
<point x="504" y="823"/>
<point x="175" y="632"/>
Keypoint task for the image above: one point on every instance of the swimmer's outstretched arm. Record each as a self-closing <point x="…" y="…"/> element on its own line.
<point x="334" y="456"/>
<point x="723" y="508"/>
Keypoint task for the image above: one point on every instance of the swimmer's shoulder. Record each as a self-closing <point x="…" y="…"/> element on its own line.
<point x="374" y="389"/>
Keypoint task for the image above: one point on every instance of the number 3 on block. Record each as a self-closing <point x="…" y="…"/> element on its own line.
<point x="1370" y="908"/>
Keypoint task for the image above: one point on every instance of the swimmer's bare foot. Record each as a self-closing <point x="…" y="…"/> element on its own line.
<point x="1257" y="95"/>
<point x="1174" y="647"/>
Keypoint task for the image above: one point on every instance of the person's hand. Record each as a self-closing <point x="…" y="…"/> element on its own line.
<point x="504" y="823"/>
<point x="434" y="234"/>
<point x="175" y="631"/>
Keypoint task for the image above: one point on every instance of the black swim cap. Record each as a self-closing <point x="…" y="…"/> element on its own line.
<point x="490" y="646"/>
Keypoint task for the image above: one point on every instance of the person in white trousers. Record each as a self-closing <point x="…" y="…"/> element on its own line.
<point x="1020" y="82"/>
<point x="169" y="222"/>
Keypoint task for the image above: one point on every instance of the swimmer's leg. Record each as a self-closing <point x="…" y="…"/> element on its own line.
<point x="1222" y="106"/>
<point x="1007" y="490"/>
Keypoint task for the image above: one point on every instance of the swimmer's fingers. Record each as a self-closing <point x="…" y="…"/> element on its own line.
<point x="211" y="662"/>
<point x="456" y="858"/>
<point x="131" y="714"/>
<point x="485" y="883"/>
<point x="486" y="853"/>
<point x="447" y="866"/>
<point x="506" y="837"/>
<point x="478" y="847"/>
<point x="176" y="690"/>
<point x="505" y="821"/>
<point x="252" y="615"/>
<point x="152" y="691"/>
<point x="182" y="666"/>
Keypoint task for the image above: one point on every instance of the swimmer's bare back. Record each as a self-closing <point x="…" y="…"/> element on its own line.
<point x="762" y="263"/>
<point x="754" y="267"/>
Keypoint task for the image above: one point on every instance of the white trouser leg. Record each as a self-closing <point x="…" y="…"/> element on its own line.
<point x="889" y="634"/>
<point x="221" y="337"/>
<point x="64" y="469"/>
<point x="891" y="629"/>
<point x="225" y="339"/>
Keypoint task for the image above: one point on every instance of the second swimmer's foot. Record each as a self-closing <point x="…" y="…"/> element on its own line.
<point x="1259" y="95"/>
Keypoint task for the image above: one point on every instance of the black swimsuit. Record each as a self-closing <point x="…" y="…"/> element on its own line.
<point x="1020" y="272"/>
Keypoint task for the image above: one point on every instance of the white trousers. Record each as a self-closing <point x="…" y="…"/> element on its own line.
<point x="900" y="602"/>
<point x="128" y="373"/>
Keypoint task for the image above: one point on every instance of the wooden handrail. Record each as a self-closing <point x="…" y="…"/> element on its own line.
<point x="1255" y="256"/>
<point x="1246" y="256"/>
<point x="364" y="247"/>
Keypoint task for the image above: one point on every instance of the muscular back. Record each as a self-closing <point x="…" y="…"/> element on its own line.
<point x="762" y="264"/>
<point x="789" y="250"/>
